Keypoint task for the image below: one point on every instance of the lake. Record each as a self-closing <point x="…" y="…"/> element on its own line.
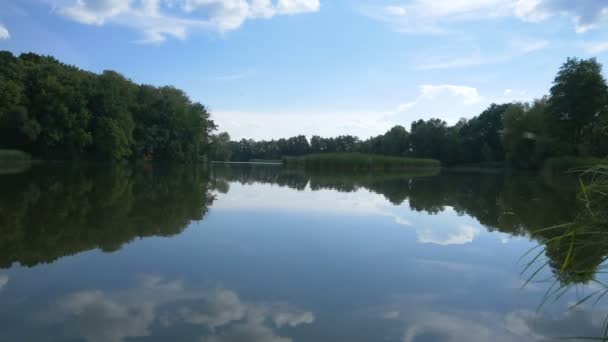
<point x="263" y="253"/>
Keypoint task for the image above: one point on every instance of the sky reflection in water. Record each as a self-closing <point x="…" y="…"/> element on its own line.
<point x="265" y="254"/>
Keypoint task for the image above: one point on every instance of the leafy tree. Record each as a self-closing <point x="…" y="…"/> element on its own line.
<point x="220" y="147"/>
<point x="579" y="97"/>
<point x="53" y="110"/>
<point x="525" y="140"/>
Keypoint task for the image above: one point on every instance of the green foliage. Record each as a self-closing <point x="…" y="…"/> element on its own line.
<point x="52" y="110"/>
<point x="524" y="137"/>
<point x="13" y="156"/>
<point x="579" y="100"/>
<point x="55" y="210"/>
<point x="219" y="147"/>
<point x="358" y="161"/>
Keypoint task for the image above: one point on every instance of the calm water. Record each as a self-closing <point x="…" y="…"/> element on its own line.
<point x="258" y="253"/>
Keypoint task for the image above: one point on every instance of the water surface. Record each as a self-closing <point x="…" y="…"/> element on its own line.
<point x="260" y="253"/>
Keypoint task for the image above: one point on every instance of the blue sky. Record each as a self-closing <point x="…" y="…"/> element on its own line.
<point x="276" y="68"/>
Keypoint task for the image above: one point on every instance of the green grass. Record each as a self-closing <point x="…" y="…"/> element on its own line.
<point x="13" y="161"/>
<point x="13" y="156"/>
<point x="358" y="162"/>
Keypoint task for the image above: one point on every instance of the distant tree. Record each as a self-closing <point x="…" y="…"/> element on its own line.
<point x="480" y="136"/>
<point x="220" y="147"/>
<point x="524" y="137"/>
<point x="427" y="138"/>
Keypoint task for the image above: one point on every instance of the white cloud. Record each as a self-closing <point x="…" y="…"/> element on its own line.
<point x="431" y="16"/>
<point x="221" y="308"/>
<point x="269" y="125"/>
<point x="160" y="19"/>
<point x="94" y="12"/>
<point x="585" y="15"/>
<point x="448" y="236"/>
<point x="515" y="49"/>
<point x="4" y="33"/>
<point x="99" y="318"/>
<point x="297" y="6"/>
<point x="597" y="48"/>
<point x="272" y="125"/>
<point x="114" y="317"/>
<point x="3" y="280"/>
<point x="469" y="95"/>
<point x="292" y="319"/>
<point x="395" y="10"/>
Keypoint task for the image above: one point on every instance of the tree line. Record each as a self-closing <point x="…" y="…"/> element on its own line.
<point x="571" y="121"/>
<point x="56" y="111"/>
<point x="53" y="210"/>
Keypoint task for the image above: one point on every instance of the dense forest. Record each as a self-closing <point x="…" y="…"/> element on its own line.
<point x="56" y="111"/>
<point x="571" y="121"/>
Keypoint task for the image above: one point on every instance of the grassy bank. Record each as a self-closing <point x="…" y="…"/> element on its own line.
<point x="358" y="161"/>
<point x="13" y="156"/>
<point x="13" y="161"/>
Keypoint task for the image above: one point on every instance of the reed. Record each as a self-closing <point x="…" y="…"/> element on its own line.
<point x="576" y="251"/>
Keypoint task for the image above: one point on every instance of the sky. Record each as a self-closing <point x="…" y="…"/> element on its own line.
<point x="278" y="68"/>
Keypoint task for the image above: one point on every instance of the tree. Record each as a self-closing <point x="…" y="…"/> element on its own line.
<point x="220" y="147"/>
<point x="427" y="138"/>
<point x="524" y="138"/>
<point x="579" y="97"/>
<point x="53" y="110"/>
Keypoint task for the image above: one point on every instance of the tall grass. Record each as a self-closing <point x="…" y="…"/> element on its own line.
<point x="577" y="251"/>
<point x="358" y="162"/>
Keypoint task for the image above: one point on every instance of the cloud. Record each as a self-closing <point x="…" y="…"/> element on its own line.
<point x="395" y="11"/>
<point x="247" y="332"/>
<point x="514" y="50"/>
<point x="597" y="48"/>
<point x="292" y="319"/>
<point x="160" y="19"/>
<point x="297" y="6"/>
<point x="94" y="12"/>
<point x="4" y="33"/>
<point x="469" y="95"/>
<point x="102" y="316"/>
<point x="585" y="15"/>
<point x="3" y="280"/>
<point x="99" y="318"/>
<point x="269" y="125"/>
<point x="363" y="124"/>
<point x="448" y="236"/>
<point x="220" y="308"/>
<point x="234" y="76"/>
<point x="431" y="16"/>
